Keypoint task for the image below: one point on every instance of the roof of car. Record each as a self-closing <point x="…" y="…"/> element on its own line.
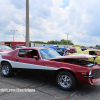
<point x="37" y="48"/>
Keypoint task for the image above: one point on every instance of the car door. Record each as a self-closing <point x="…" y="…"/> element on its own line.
<point x="28" y="63"/>
<point x="51" y="65"/>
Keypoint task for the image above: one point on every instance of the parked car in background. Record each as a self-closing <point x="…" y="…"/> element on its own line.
<point x="15" y="47"/>
<point x="53" y="47"/>
<point x="83" y="49"/>
<point x="68" y="70"/>
<point x="71" y="50"/>
<point x="4" y="49"/>
<point x="89" y="52"/>
<point x="60" y="51"/>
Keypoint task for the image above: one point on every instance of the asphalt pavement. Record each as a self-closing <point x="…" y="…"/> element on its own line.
<point x="45" y="89"/>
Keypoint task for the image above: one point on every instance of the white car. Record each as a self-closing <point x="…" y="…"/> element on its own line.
<point x="4" y="49"/>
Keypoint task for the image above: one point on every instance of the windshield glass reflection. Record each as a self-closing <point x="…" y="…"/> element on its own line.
<point x="48" y="53"/>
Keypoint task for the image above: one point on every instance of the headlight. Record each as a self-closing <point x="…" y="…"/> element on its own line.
<point x="90" y="71"/>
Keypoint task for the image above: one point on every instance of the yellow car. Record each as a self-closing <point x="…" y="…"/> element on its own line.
<point x="89" y="52"/>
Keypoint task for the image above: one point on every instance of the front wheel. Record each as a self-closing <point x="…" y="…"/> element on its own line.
<point x="65" y="80"/>
<point x="6" y="69"/>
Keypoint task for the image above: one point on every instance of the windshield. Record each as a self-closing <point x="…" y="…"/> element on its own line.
<point x="48" y="53"/>
<point x="4" y="47"/>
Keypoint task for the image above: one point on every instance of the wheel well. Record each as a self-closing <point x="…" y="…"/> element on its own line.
<point x="60" y="70"/>
<point x="5" y="61"/>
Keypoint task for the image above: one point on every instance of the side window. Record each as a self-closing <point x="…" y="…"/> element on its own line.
<point x="28" y="53"/>
<point x="22" y="53"/>
<point x="34" y="53"/>
<point x="92" y="53"/>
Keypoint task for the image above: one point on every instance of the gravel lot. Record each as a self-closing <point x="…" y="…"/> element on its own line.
<point x="45" y="89"/>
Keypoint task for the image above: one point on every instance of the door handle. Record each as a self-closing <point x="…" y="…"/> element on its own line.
<point x="16" y="59"/>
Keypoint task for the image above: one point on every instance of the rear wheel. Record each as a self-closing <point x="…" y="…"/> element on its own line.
<point x="65" y="80"/>
<point x="6" y="69"/>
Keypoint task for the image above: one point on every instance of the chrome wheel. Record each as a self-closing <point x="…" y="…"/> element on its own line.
<point x="5" y="69"/>
<point x="65" y="81"/>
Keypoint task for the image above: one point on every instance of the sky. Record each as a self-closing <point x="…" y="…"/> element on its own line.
<point x="50" y="20"/>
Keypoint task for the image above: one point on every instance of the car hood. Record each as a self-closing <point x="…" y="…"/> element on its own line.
<point x="82" y="56"/>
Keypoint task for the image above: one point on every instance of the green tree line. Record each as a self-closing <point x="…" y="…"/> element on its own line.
<point x="97" y="45"/>
<point x="62" y="42"/>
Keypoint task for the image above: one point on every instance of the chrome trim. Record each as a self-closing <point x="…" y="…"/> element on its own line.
<point x="88" y="76"/>
<point x="90" y="71"/>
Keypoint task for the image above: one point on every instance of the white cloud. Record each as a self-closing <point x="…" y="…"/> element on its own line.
<point x="49" y="21"/>
<point x="18" y="35"/>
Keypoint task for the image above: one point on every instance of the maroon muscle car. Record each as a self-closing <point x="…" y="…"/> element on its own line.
<point x="68" y="69"/>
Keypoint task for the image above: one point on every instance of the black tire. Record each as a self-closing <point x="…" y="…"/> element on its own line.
<point x="6" y="69"/>
<point x="66" y="81"/>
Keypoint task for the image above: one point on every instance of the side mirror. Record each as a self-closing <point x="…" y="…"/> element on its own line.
<point x="35" y="57"/>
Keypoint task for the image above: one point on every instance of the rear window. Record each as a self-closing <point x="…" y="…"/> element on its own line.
<point x="93" y="52"/>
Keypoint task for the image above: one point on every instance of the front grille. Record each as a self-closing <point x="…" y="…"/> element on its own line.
<point x="96" y="73"/>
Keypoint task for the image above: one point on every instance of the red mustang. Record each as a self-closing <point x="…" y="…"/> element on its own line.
<point x="68" y="69"/>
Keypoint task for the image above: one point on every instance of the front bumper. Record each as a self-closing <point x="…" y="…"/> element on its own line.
<point x="88" y="76"/>
<point x="91" y="80"/>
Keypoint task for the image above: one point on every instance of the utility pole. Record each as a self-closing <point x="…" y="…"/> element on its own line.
<point x="67" y="39"/>
<point x="27" y="23"/>
<point x="13" y="33"/>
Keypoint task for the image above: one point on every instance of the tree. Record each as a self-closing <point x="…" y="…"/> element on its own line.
<point x="82" y="46"/>
<point x="41" y="42"/>
<point x="97" y="45"/>
<point x="53" y="42"/>
<point x="64" y="42"/>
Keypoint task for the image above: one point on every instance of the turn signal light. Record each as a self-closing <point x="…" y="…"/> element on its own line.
<point x="83" y="73"/>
